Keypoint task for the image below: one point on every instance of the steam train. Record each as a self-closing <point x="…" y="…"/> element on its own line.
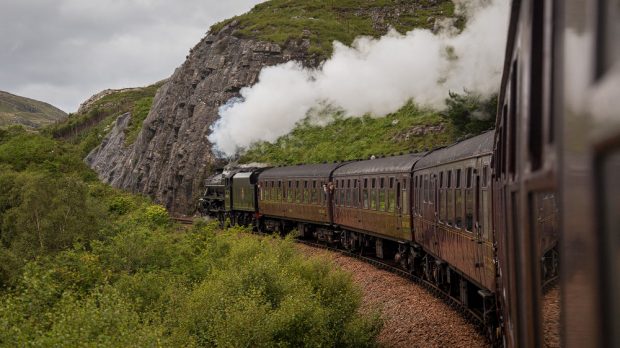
<point x="491" y="219"/>
<point x="429" y="212"/>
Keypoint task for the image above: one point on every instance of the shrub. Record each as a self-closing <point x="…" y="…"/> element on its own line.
<point x="471" y="113"/>
<point x="157" y="215"/>
<point x="121" y="205"/>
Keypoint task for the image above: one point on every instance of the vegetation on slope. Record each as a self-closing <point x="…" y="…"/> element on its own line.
<point x="323" y="22"/>
<point x="27" y="112"/>
<point x="410" y="129"/>
<point x="82" y="264"/>
<point x="88" y="128"/>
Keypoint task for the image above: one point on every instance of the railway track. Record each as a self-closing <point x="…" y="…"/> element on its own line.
<point x="472" y="317"/>
<point x="183" y="220"/>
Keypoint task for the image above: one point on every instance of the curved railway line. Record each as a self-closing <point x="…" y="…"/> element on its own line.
<point x="472" y="317"/>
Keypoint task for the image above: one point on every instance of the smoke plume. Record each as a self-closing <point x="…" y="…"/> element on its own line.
<point x="373" y="76"/>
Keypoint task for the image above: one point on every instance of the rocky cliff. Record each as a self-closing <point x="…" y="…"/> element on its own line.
<point x="172" y="156"/>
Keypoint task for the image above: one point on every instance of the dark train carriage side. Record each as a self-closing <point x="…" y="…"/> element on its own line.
<point x="296" y="196"/>
<point x="525" y="171"/>
<point x="244" y="199"/>
<point x="372" y="198"/>
<point x="451" y="207"/>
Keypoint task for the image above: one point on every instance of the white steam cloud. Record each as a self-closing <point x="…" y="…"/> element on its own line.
<point x="374" y="76"/>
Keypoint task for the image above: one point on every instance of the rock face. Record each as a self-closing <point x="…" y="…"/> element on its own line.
<point x="109" y="156"/>
<point x="172" y="155"/>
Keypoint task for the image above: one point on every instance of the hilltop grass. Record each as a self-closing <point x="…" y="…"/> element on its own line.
<point x="323" y="22"/>
<point x="356" y="138"/>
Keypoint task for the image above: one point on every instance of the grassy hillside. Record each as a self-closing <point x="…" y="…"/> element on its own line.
<point x="409" y="129"/>
<point x="88" y="128"/>
<point x="27" y="112"/>
<point x="323" y="21"/>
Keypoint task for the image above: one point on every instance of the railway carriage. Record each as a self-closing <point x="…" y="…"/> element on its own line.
<point x="372" y="199"/>
<point x="297" y="196"/>
<point x="452" y="220"/>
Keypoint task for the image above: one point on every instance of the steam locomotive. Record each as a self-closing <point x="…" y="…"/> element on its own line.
<point x="492" y="219"/>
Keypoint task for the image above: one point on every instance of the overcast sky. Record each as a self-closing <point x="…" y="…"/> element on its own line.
<point x="64" y="51"/>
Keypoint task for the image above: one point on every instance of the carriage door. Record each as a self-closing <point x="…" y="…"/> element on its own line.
<point x="398" y="210"/>
<point x="479" y="240"/>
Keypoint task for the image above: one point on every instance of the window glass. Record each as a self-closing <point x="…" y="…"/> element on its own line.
<point x="450" y="206"/>
<point x="458" y="219"/>
<point x="442" y="205"/>
<point x="485" y="176"/>
<point x="486" y="220"/>
<point x="365" y="198"/>
<point x="458" y="178"/>
<point x="469" y="209"/>
<point x="373" y="197"/>
<point x="405" y="202"/>
<point x="382" y="200"/>
<point x="449" y="178"/>
<point x="391" y="200"/>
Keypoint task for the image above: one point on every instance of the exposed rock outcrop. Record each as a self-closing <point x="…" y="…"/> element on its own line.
<point x="109" y="156"/>
<point x="172" y="155"/>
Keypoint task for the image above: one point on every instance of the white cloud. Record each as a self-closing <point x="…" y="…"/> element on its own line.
<point x="63" y="51"/>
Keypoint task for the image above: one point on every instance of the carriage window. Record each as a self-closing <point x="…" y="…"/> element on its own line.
<point x="449" y="179"/>
<point x="458" y="178"/>
<point x="486" y="222"/>
<point x="485" y="176"/>
<point x="365" y="194"/>
<point x="442" y="205"/>
<point x="426" y="189"/>
<point x="469" y="202"/>
<point x="373" y="198"/>
<point x="391" y="183"/>
<point x="299" y="196"/>
<point x="391" y="199"/>
<point x="441" y="180"/>
<point x="356" y="191"/>
<point x="458" y="219"/>
<point x="382" y="200"/>
<point x="405" y="197"/>
<point x="314" y="193"/>
<point x="450" y="206"/>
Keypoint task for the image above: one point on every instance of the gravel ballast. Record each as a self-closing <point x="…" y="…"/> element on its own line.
<point x="412" y="316"/>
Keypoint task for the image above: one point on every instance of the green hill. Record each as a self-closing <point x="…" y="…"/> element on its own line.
<point x="410" y="129"/>
<point x="87" y="128"/>
<point x="27" y="112"/>
<point x="321" y="22"/>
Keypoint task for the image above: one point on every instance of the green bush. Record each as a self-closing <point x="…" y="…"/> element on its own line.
<point x="470" y="113"/>
<point x="121" y="205"/>
<point x="157" y="215"/>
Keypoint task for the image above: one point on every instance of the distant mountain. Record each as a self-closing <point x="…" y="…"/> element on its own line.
<point x="27" y="112"/>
